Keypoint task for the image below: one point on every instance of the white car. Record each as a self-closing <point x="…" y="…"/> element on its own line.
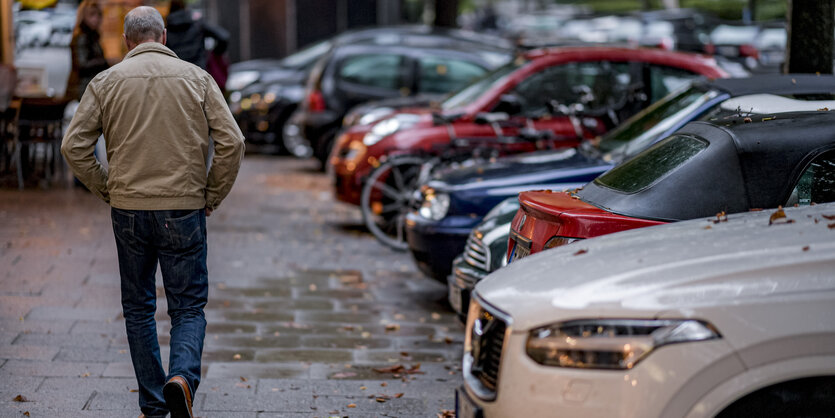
<point x="728" y="317"/>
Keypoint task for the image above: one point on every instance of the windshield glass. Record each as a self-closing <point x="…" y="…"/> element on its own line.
<point x="472" y="91"/>
<point x="306" y="56"/>
<point x="641" y="130"/>
<point x="656" y="162"/>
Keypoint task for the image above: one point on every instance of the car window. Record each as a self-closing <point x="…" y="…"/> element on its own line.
<point x="653" y="164"/>
<point x="640" y="131"/>
<point x="817" y="184"/>
<point x="472" y="91"/>
<point x="373" y="70"/>
<point x="443" y="75"/>
<point x="609" y="83"/>
<point x="663" y="80"/>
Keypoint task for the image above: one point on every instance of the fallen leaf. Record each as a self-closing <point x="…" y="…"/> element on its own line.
<point x="343" y="375"/>
<point x="806" y="248"/>
<point x="26" y="414"/>
<point x="581" y="252"/>
<point x="352" y="405"/>
<point x="831" y="226"/>
<point x="236" y="357"/>
<point x="436" y="316"/>
<point x="400" y="369"/>
<point x="778" y="215"/>
<point x="448" y="340"/>
<point x="398" y="395"/>
<point x="20" y="398"/>
<point x="243" y="379"/>
<point x="747" y="120"/>
<point x="829" y="217"/>
<point x="381" y="399"/>
<point x="312" y="287"/>
<point x="363" y="388"/>
<point x="446" y="413"/>
<point x="708" y="227"/>
<point x="392" y="327"/>
<point x="134" y="390"/>
<point x="384" y="384"/>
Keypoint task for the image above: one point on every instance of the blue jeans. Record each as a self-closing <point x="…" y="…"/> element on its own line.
<point x="176" y="239"/>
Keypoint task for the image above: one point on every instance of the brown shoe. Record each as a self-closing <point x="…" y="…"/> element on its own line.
<point x="178" y="397"/>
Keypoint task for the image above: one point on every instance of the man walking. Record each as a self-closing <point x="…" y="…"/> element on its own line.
<point x="157" y="113"/>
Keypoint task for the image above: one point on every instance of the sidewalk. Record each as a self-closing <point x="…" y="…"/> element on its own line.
<point x="303" y="306"/>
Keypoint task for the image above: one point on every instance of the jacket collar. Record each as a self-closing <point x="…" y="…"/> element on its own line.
<point x="150" y="47"/>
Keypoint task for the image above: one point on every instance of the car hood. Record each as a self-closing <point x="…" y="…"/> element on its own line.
<point x="540" y="168"/>
<point x="692" y="268"/>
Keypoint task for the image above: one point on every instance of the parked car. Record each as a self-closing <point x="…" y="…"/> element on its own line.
<point x="705" y="168"/>
<point x="693" y="319"/>
<point x="677" y="29"/>
<point x="436" y="239"/>
<point x="622" y="82"/>
<point x="771" y="45"/>
<point x="264" y="93"/>
<point x="736" y="42"/>
<point x="353" y="74"/>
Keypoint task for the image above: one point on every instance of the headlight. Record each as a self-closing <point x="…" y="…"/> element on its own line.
<point x="434" y="205"/>
<point x="389" y="126"/>
<point x="241" y="79"/>
<point x="374" y="115"/>
<point x="610" y="343"/>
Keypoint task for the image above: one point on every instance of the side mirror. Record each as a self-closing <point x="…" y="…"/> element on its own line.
<point x="509" y="104"/>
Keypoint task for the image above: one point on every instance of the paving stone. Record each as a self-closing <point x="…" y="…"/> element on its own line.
<point x="263" y="316"/>
<point x="256" y="341"/>
<point x="48" y="312"/>
<point x="316" y="356"/>
<point x="51" y="368"/>
<point x="27" y="352"/>
<point x="250" y="371"/>
<point x="343" y="342"/>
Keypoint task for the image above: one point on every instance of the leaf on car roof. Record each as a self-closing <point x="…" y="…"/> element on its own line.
<point x="779" y="216"/>
<point x="581" y="252"/>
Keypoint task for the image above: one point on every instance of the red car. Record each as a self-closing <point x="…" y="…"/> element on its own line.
<point x="705" y="169"/>
<point x="622" y="81"/>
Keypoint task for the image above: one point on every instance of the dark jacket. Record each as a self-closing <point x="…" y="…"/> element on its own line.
<point x="87" y="61"/>
<point x="186" y="37"/>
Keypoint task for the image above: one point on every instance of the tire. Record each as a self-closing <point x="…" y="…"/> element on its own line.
<point x="389" y="194"/>
<point x="322" y="149"/>
<point x="811" y="397"/>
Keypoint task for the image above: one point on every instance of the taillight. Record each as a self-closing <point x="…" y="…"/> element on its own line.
<point x="558" y="241"/>
<point x="315" y="101"/>
<point x="710" y="49"/>
<point x="749" y="51"/>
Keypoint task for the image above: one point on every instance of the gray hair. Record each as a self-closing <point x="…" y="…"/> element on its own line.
<point x="144" y="23"/>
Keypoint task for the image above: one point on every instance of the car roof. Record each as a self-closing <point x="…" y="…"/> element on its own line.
<point x="782" y="84"/>
<point x="670" y="269"/>
<point x="749" y="162"/>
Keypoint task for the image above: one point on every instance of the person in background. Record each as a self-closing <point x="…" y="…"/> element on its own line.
<point x="187" y="38"/>
<point x="87" y="55"/>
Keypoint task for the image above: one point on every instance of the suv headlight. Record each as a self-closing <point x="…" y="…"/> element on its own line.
<point x="387" y="127"/>
<point x="610" y="343"/>
<point x="434" y="206"/>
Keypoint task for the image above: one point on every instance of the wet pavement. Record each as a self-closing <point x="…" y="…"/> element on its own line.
<point x="308" y="315"/>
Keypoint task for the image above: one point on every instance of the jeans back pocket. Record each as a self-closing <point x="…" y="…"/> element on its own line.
<point x="185" y="232"/>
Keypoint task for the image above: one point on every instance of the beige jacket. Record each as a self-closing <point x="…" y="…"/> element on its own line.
<point x="157" y="114"/>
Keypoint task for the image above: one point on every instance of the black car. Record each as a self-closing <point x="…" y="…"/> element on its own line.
<point x="264" y="93"/>
<point x="353" y="74"/>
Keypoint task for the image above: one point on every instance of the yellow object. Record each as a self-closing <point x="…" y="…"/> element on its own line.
<point x="37" y="4"/>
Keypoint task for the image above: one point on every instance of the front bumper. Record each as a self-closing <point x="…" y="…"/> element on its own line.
<point x="668" y="382"/>
<point x="434" y="245"/>
<point x="460" y="285"/>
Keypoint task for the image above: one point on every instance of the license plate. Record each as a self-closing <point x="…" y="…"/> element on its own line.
<point x="519" y="251"/>
<point x="464" y="407"/>
<point x="455" y="297"/>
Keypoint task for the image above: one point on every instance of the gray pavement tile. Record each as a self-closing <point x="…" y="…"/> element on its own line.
<point x="92" y="355"/>
<point x="346" y="342"/>
<point x="20" y="383"/>
<point x="27" y="352"/>
<point x="255" y="341"/>
<point x="259" y="317"/>
<point x="51" y="368"/>
<point x="312" y="355"/>
<point x="76" y="385"/>
<point x="100" y="341"/>
<point x="48" y="312"/>
<point x="38" y="399"/>
<point x="251" y="371"/>
<point x="54" y="326"/>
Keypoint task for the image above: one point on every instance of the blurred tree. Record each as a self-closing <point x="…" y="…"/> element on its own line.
<point x="446" y="13"/>
<point x="811" y="36"/>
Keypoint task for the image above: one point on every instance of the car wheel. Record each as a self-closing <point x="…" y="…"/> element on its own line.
<point x="812" y="397"/>
<point x="388" y="195"/>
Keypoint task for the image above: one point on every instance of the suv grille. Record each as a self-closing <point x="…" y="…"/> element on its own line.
<point x="476" y="253"/>
<point x="487" y="342"/>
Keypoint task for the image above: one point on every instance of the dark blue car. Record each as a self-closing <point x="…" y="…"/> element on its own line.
<point x="455" y="202"/>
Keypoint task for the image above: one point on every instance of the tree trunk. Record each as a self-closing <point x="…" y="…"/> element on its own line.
<point x="810" y="36"/>
<point x="446" y="13"/>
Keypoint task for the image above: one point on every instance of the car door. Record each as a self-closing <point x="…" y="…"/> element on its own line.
<point x="367" y="76"/>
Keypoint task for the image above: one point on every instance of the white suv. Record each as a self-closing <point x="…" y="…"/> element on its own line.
<point x="727" y="317"/>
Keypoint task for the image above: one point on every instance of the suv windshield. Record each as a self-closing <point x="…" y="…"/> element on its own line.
<point x="644" y="128"/>
<point x="472" y="91"/>
<point x="656" y="162"/>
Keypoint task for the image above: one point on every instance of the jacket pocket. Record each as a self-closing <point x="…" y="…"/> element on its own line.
<point x="185" y="232"/>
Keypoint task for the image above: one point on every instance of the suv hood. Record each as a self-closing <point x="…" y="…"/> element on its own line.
<point x="693" y="268"/>
<point x="537" y="168"/>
